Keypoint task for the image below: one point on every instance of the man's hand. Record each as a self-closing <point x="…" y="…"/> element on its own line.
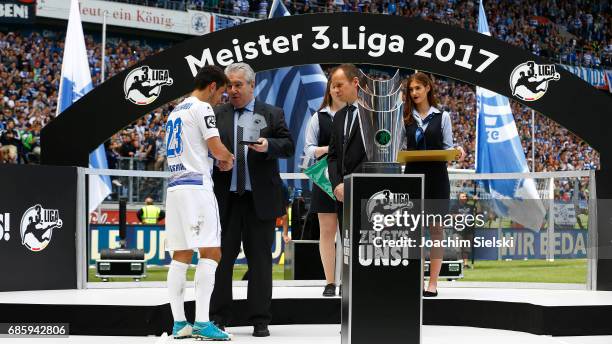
<point x="339" y="192"/>
<point x="226" y="165"/>
<point x="261" y="145"/>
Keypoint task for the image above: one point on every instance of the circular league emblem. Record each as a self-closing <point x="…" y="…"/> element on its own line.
<point x="143" y="85"/>
<point x="199" y="23"/>
<point x="529" y="80"/>
<point x="382" y="138"/>
<point x="387" y="202"/>
<point x="37" y="226"/>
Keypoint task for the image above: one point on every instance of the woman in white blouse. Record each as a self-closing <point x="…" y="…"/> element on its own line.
<point x="428" y="128"/>
<point x="318" y="134"/>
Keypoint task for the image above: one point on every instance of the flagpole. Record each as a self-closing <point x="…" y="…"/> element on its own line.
<point x="533" y="141"/>
<point x="103" y="48"/>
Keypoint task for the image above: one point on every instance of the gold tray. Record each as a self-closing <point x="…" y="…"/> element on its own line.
<point x="428" y="155"/>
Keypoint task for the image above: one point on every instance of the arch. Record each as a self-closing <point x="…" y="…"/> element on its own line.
<point x="340" y="38"/>
<point x="107" y="110"/>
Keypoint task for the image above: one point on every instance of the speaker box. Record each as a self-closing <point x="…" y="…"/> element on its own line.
<point x="451" y="269"/>
<point x="121" y="263"/>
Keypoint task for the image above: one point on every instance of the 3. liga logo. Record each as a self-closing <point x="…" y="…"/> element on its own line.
<point x="143" y="85"/>
<point x="529" y="80"/>
<point x="37" y="225"/>
<point x="387" y="202"/>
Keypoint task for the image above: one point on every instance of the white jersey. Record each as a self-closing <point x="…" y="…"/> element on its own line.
<point x="189" y="125"/>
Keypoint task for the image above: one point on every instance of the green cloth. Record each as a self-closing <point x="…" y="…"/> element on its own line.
<point x="27" y="139"/>
<point x="316" y="173"/>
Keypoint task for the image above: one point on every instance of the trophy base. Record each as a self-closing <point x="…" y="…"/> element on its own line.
<point x="246" y="143"/>
<point x="382" y="167"/>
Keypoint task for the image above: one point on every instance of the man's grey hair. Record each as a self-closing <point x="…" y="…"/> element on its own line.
<point x="249" y="74"/>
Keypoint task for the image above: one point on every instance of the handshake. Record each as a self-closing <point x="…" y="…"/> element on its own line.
<point x="225" y="159"/>
<point x="225" y="165"/>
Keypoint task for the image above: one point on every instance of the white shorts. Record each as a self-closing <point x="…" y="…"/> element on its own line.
<point x="192" y="219"/>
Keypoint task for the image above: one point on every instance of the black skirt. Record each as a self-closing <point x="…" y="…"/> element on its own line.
<point x="437" y="185"/>
<point x="320" y="201"/>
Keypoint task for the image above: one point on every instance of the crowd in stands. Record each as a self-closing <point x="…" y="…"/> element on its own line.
<point x="30" y="68"/>
<point x="565" y="31"/>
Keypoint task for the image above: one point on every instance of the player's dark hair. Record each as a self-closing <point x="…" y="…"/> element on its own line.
<point x="327" y="99"/>
<point x="209" y="74"/>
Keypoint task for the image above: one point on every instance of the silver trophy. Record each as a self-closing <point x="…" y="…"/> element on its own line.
<point x="381" y="115"/>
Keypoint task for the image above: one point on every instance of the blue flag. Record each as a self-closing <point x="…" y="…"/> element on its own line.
<point x="499" y="150"/>
<point x="298" y="91"/>
<point x="75" y="83"/>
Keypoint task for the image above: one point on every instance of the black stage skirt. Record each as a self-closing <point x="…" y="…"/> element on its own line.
<point x="437" y="185"/>
<point x="320" y="201"/>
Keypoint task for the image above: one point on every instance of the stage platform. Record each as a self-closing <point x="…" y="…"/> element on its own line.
<point x="144" y="311"/>
<point x="328" y="334"/>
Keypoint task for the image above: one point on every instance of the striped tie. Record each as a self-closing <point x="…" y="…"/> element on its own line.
<point x="240" y="159"/>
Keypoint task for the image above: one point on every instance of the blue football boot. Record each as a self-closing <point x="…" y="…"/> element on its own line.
<point x="208" y="331"/>
<point x="181" y="329"/>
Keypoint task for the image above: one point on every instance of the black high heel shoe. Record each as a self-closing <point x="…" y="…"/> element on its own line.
<point x="427" y="293"/>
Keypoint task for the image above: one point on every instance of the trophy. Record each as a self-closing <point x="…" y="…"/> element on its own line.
<point x="251" y="128"/>
<point x="381" y="115"/>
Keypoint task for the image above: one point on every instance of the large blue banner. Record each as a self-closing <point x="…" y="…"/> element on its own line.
<point x="298" y="91"/>
<point x="566" y="243"/>
<point x="151" y="240"/>
<point x="595" y="77"/>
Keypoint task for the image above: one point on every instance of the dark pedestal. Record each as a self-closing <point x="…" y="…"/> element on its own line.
<point x="381" y="286"/>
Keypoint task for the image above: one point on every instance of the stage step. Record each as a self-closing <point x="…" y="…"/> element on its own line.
<point x="141" y="312"/>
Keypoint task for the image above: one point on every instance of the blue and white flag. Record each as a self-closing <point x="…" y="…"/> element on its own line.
<point x="499" y="150"/>
<point x="75" y="82"/>
<point x="297" y="90"/>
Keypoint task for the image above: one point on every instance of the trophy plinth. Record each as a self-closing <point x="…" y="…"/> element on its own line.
<point x="382" y="167"/>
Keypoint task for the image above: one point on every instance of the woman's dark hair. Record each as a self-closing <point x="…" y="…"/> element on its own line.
<point x="327" y="99"/>
<point x="424" y="80"/>
<point x="209" y="74"/>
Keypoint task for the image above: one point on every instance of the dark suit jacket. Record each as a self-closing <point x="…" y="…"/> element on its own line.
<point x="263" y="167"/>
<point x="343" y="160"/>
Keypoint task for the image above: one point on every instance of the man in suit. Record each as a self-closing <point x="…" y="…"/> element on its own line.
<point x="250" y="196"/>
<point x="346" y="153"/>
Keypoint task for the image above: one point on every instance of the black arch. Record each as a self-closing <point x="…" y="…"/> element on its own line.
<point x="569" y="101"/>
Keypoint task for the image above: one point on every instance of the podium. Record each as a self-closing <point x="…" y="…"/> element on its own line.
<point x="382" y="280"/>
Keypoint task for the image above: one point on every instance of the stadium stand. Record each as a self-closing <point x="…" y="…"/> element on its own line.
<point x="570" y="32"/>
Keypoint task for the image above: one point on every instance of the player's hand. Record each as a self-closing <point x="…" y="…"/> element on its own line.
<point x="286" y="238"/>
<point x="339" y="192"/>
<point x="261" y="145"/>
<point x="226" y="165"/>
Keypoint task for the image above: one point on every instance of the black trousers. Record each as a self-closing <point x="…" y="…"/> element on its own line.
<point x="257" y="236"/>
